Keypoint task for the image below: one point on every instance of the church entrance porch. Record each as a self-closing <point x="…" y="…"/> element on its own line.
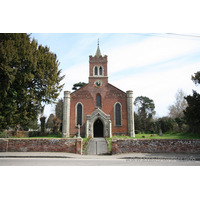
<point x="98" y="128"/>
<point x="98" y="124"/>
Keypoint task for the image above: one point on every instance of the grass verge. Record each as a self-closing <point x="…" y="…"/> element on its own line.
<point x="85" y="144"/>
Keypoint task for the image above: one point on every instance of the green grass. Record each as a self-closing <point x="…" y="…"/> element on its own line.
<point x="168" y="135"/>
<point x="47" y="136"/>
<point x="85" y="144"/>
<point x="109" y="143"/>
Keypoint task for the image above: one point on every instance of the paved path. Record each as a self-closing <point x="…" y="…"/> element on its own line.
<point x="97" y="146"/>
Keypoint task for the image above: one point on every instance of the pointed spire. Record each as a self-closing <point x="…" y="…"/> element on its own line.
<point x="98" y="53"/>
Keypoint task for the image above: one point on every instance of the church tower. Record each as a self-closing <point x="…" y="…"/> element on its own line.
<point x="98" y="68"/>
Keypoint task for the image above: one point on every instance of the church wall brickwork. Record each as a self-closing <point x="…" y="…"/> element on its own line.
<point x="98" y="61"/>
<point x="109" y="96"/>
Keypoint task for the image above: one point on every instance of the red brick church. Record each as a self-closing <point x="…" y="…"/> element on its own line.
<point x="99" y="108"/>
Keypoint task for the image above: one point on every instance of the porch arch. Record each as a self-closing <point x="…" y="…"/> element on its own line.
<point x="105" y="119"/>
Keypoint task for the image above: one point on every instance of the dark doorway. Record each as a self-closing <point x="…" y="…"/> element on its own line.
<point x="98" y="128"/>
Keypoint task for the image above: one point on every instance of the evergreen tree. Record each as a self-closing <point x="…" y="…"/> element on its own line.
<point x="59" y="109"/>
<point x="30" y="124"/>
<point x="145" y="108"/>
<point x="77" y="86"/>
<point x="192" y="113"/>
<point x="50" y="124"/>
<point x="29" y="78"/>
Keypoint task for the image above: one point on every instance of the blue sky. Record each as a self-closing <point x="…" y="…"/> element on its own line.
<point x="152" y="65"/>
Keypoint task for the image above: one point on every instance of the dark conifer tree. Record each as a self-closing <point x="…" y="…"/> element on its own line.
<point x="29" y="78"/>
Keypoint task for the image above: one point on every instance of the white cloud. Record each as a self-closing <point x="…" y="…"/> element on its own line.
<point x="151" y="51"/>
<point x="160" y="86"/>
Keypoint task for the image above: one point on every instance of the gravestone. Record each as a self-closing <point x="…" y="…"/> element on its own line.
<point x="160" y="134"/>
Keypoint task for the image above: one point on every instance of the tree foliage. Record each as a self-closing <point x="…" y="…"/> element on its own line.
<point x="30" y="124"/>
<point x="77" y="86"/>
<point x="176" y="110"/>
<point x="59" y="109"/>
<point x="192" y="113"/>
<point x="49" y="123"/>
<point x="145" y="110"/>
<point x="53" y="123"/>
<point x="42" y="120"/>
<point x="196" y="78"/>
<point x="29" y="78"/>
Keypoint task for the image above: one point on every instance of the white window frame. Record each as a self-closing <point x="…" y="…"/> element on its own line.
<point x="98" y="71"/>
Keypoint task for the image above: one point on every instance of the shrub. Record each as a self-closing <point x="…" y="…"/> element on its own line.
<point x="34" y="133"/>
<point x="3" y="135"/>
<point x="137" y="131"/>
<point x="21" y="134"/>
<point x="185" y="128"/>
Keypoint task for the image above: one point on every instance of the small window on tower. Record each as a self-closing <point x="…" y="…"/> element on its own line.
<point x="96" y="71"/>
<point x="100" y="71"/>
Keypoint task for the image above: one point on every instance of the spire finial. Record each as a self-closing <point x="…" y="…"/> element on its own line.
<point x="98" y="52"/>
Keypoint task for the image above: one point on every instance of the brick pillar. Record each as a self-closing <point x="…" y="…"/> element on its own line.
<point x="130" y="113"/>
<point x="66" y="114"/>
<point x="79" y="145"/>
<point x="114" y="146"/>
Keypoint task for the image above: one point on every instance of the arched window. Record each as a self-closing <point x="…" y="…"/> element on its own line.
<point x="100" y="71"/>
<point x="98" y="100"/>
<point x="79" y="114"/>
<point x="96" y="71"/>
<point x="118" y="120"/>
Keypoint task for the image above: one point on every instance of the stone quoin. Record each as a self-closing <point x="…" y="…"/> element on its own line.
<point x="100" y="108"/>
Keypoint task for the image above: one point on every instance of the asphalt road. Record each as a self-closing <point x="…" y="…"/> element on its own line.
<point x="92" y="162"/>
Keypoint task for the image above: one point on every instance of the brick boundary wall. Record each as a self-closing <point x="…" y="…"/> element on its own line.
<point x="70" y="145"/>
<point x="155" y="146"/>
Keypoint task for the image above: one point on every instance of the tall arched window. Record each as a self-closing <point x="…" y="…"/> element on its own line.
<point x="96" y="71"/>
<point x="118" y="120"/>
<point x="100" y="71"/>
<point x="79" y="114"/>
<point x="98" y="100"/>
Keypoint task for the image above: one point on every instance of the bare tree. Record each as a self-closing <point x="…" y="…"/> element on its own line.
<point x="180" y="104"/>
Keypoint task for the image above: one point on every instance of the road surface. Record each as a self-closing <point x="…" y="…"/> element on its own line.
<point x="93" y="162"/>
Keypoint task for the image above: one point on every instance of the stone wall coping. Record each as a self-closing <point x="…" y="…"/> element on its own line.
<point x="156" y="139"/>
<point x="6" y="139"/>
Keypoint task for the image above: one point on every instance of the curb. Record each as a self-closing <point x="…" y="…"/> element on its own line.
<point x="35" y="157"/>
<point x="162" y="158"/>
